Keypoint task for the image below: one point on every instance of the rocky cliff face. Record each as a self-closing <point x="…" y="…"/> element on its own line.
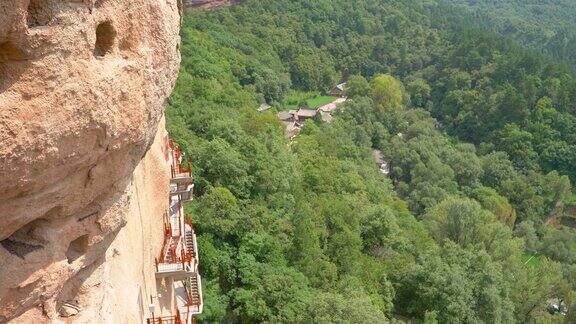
<point x="83" y="176"/>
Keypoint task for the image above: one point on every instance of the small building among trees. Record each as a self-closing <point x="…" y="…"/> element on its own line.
<point x="286" y="116"/>
<point x="339" y="90"/>
<point x="264" y="107"/>
<point x="304" y="114"/>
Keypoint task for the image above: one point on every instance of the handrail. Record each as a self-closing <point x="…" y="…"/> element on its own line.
<point x="177" y="155"/>
<point x="173" y="252"/>
<point x="184" y="257"/>
<point x="179" y="169"/>
<point x="163" y="251"/>
<point x="167" y="226"/>
<point x="186" y="169"/>
<point x="200" y="296"/>
<point x="166" y="319"/>
<point x="188" y="220"/>
<point x="178" y="319"/>
<point x="189" y="301"/>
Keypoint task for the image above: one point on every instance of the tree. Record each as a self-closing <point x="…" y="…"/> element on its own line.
<point x="497" y="169"/>
<point x="388" y="93"/>
<point x="495" y="203"/>
<point x="339" y="308"/>
<point x="527" y="231"/>
<point x="532" y="289"/>
<point x="357" y="86"/>
<point x="450" y="282"/>
<point x="215" y="302"/>
<point x="467" y="166"/>
<point x="518" y="145"/>
<point x="459" y="220"/>
<point x="313" y="71"/>
<point x="220" y="164"/>
<point x="272" y="85"/>
<point x="307" y="253"/>
<point x="268" y="292"/>
<point x="558" y="245"/>
<point x="218" y="214"/>
<point x="420" y="92"/>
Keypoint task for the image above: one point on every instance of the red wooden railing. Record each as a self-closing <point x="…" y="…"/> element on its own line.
<point x="162" y="253"/>
<point x="164" y="320"/>
<point x="176" y="167"/>
<point x="167" y="227"/>
<point x="165" y="249"/>
<point x="179" y="169"/>
<point x="174" y="258"/>
<point x="186" y="169"/>
<point x="177" y="319"/>
<point x="188" y="221"/>
<point x="185" y="258"/>
<point x="189" y="301"/>
<point x="177" y="154"/>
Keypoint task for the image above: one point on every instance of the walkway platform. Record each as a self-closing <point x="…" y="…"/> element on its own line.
<point x="178" y="261"/>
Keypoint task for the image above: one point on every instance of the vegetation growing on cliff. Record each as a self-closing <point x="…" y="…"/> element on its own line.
<point x="312" y="231"/>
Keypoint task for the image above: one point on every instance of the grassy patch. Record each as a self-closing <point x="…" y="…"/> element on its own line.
<point x="531" y="259"/>
<point x="296" y="99"/>
<point x="319" y="101"/>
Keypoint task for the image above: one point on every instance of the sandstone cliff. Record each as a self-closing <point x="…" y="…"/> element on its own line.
<point x="83" y="175"/>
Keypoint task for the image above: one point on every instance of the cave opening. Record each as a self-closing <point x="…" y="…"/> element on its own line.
<point x="39" y="13"/>
<point x="27" y="239"/>
<point x="12" y="63"/>
<point x="77" y="248"/>
<point x="10" y="52"/>
<point x="105" y="38"/>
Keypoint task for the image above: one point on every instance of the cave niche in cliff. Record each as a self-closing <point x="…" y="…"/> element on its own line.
<point x="27" y="239"/>
<point x="12" y="63"/>
<point x="105" y="37"/>
<point x="39" y="13"/>
<point x="10" y="52"/>
<point x="77" y="248"/>
<point x="17" y="248"/>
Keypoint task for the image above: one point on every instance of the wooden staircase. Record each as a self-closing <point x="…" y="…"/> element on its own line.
<point x="189" y="240"/>
<point x="194" y="291"/>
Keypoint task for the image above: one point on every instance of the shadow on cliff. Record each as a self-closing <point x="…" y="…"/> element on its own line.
<point x="13" y="63"/>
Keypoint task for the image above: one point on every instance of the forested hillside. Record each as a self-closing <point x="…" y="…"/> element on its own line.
<point x="548" y="25"/>
<point x="479" y="133"/>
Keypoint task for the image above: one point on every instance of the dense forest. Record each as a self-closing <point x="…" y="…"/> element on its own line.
<point x="547" y="25"/>
<point x="479" y="132"/>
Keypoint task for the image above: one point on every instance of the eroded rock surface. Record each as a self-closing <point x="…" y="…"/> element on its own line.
<point x="83" y="85"/>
